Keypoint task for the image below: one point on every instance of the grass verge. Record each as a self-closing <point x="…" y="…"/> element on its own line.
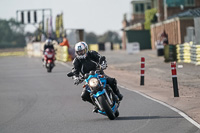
<point x="20" y="53"/>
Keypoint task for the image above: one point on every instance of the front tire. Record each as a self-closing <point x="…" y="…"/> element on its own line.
<point x="104" y="104"/>
<point x="116" y="113"/>
<point x="49" y="69"/>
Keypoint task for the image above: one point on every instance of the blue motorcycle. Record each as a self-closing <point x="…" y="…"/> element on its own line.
<point x="101" y="93"/>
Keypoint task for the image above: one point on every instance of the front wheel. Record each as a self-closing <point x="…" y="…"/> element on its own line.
<point x="116" y="113"/>
<point x="104" y="104"/>
<point x="49" y="69"/>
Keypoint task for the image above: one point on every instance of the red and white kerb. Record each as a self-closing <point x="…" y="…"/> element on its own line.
<point x="142" y="66"/>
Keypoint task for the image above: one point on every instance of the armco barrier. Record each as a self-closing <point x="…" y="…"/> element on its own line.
<point x="188" y="53"/>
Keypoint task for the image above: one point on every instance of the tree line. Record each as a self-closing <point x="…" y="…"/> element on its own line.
<point x="12" y="35"/>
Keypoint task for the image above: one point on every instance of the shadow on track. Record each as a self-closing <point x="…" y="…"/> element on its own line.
<point x="146" y="117"/>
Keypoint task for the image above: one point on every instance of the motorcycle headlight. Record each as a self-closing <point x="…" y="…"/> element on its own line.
<point x="93" y="82"/>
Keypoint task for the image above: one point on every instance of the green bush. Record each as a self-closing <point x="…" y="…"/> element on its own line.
<point x="150" y="17"/>
<point x="11" y="34"/>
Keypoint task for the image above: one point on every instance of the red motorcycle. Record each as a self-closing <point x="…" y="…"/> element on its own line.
<point x="49" y="59"/>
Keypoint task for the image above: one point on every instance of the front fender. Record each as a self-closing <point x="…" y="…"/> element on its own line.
<point x="99" y="93"/>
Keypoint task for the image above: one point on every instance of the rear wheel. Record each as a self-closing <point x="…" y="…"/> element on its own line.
<point x="104" y="104"/>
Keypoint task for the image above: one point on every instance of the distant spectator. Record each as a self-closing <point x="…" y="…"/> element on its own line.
<point x="65" y="42"/>
<point x="71" y="51"/>
<point x="48" y="44"/>
<point x="159" y="43"/>
<point x="164" y="38"/>
<point x="160" y="46"/>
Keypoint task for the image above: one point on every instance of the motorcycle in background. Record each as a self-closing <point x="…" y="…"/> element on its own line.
<point x="49" y="59"/>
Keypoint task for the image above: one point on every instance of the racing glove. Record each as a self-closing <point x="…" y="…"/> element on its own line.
<point x="76" y="80"/>
<point x="103" y="65"/>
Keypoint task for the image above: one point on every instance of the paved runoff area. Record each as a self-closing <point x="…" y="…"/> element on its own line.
<point x="158" y="79"/>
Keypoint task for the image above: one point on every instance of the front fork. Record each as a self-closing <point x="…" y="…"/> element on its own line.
<point x="108" y="98"/>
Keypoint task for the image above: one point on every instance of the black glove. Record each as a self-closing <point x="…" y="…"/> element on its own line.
<point x="103" y="65"/>
<point x="76" y="81"/>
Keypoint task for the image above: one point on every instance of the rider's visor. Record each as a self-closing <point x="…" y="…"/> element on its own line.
<point x="81" y="52"/>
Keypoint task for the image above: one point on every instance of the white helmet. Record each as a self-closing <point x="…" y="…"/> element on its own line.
<point x="81" y="50"/>
<point x="48" y="42"/>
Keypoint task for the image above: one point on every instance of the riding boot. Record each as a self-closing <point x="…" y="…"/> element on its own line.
<point x="113" y="84"/>
<point x="96" y="108"/>
<point x="116" y="91"/>
<point x="90" y="101"/>
<point x="86" y="97"/>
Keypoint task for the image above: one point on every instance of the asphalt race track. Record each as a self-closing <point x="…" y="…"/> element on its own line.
<point x="34" y="101"/>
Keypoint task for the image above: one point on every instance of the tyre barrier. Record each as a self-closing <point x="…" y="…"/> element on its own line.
<point x="188" y="53"/>
<point x="104" y="46"/>
<point x="94" y="47"/>
<point x="62" y="53"/>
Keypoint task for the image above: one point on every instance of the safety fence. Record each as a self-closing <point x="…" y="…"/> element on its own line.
<point x="188" y="53"/>
<point x="63" y="53"/>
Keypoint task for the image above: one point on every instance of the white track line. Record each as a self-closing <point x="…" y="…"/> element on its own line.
<point x="166" y="105"/>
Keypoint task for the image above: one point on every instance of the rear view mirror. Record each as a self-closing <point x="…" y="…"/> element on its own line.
<point x="70" y="74"/>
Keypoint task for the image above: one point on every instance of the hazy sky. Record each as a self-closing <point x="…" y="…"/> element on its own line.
<point x="92" y="15"/>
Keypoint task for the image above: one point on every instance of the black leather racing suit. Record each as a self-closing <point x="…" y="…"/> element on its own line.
<point x="86" y="65"/>
<point x="48" y="46"/>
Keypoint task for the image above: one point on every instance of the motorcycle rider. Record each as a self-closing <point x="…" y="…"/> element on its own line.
<point x="84" y="62"/>
<point x="48" y="44"/>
